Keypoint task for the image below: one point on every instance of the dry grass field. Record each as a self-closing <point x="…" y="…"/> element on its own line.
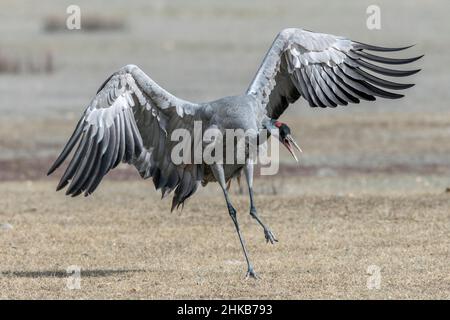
<point x="128" y="245"/>
<point x="380" y="204"/>
<point x="370" y="191"/>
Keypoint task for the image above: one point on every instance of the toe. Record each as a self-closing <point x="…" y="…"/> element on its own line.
<point x="251" y="274"/>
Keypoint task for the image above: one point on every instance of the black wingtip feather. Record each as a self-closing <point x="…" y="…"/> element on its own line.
<point x="68" y="147"/>
<point x="386" y="71"/>
<point x="84" y="169"/>
<point x="75" y="193"/>
<point x="62" y="184"/>
<point x="386" y="60"/>
<point x="381" y="82"/>
<point x="361" y="45"/>
<point x="383" y="93"/>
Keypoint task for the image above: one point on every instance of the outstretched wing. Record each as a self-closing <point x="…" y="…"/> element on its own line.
<point x="326" y="70"/>
<point x="130" y="120"/>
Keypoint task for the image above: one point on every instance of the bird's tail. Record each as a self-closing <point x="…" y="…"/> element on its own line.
<point x="185" y="189"/>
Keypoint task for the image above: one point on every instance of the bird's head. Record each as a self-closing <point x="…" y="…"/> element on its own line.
<point x="282" y="132"/>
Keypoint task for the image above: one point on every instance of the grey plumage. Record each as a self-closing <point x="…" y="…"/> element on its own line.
<point x="131" y="118"/>
<point x="127" y="122"/>
<point x="326" y="70"/>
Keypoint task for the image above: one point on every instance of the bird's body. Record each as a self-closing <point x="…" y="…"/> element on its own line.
<point x="133" y="120"/>
<point x="233" y="113"/>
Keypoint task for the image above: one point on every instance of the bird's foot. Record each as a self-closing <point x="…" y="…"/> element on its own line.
<point x="269" y="236"/>
<point x="251" y="273"/>
<point x="267" y="233"/>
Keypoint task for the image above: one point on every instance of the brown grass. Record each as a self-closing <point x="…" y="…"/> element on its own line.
<point x="129" y="245"/>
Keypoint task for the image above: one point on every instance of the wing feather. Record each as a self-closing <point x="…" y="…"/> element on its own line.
<point x="128" y="121"/>
<point x="336" y="90"/>
<point x="326" y="70"/>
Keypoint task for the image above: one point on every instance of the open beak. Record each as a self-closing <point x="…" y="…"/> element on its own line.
<point x="288" y="143"/>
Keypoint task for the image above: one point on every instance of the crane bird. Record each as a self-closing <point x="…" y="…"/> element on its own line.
<point x="131" y="118"/>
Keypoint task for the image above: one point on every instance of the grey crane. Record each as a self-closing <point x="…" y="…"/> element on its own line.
<point x="131" y="118"/>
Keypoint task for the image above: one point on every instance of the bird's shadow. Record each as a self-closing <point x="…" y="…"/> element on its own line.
<point x="93" y="273"/>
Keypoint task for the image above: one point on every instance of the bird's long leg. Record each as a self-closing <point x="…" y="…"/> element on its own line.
<point x="248" y="169"/>
<point x="219" y="174"/>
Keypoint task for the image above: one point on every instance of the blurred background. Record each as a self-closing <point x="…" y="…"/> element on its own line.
<point x="393" y="156"/>
<point x="203" y="50"/>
